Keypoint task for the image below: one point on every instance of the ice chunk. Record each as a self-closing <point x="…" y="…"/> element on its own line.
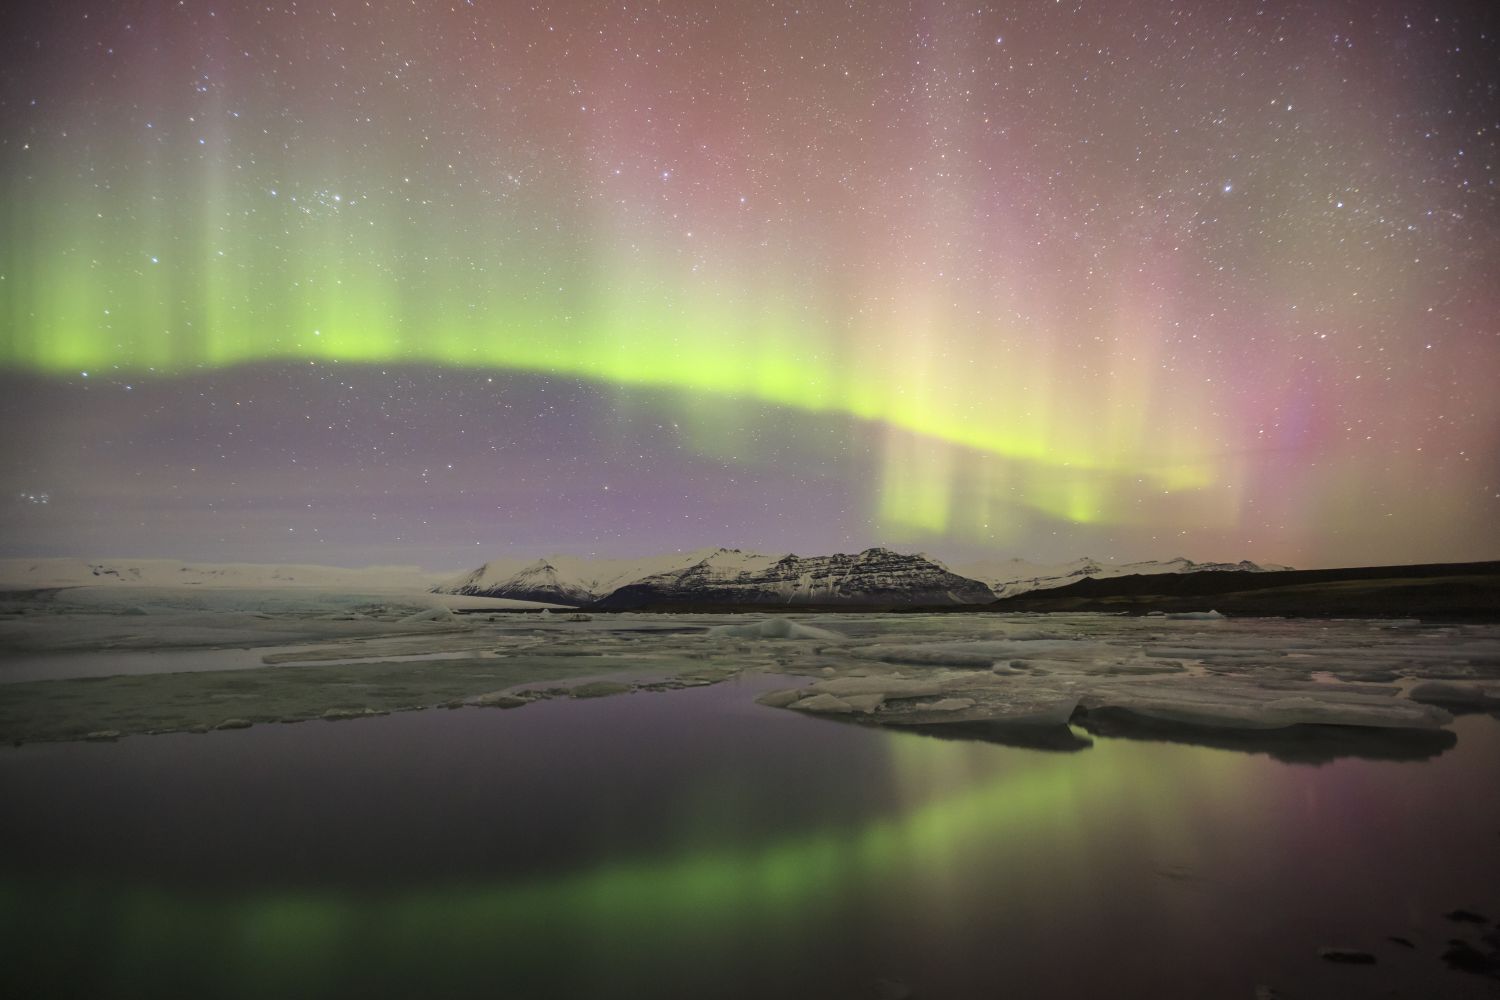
<point x="943" y="698"/>
<point x="344" y="714"/>
<point x="890" y="686"/>
<point x="499" y="699"/>
<point x="434" y="614"/>
<point x="980" y="654"/>
<point x="781" y="699"/>
<point x="1215" y="703"/>
<point x="933" y="654"/>
<point x="826" y="703"/>
<point x="1454" y="695"/>
<point x="866" y="703"/>
<point x="776" y="628"/>
<point x="949" y="705"/>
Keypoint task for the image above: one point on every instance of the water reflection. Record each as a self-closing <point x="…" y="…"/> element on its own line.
<point x="1305" y="744"/>
<point x="722" y="849"/>
<point x="1061" y="739"/>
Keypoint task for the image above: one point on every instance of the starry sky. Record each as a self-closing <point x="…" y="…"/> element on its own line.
<point x="367" y="282"/>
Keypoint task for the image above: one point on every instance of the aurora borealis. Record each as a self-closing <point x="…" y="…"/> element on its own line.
<point x="362" y="282"/>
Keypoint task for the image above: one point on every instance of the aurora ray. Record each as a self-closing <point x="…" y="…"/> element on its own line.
<point x="1072" y="274"/>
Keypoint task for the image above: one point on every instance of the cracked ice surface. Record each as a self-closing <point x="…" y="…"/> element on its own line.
<point x="312" y="654"/>
<point x="1190" y="671"/>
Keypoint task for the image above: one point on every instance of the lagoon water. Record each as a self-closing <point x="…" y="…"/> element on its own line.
<point x="693" y="843"/>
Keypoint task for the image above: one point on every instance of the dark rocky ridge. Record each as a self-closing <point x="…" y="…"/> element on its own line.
<point x="730" y="579"/>
<point x="875" y="578"/>
<point x="1457" y="591"/>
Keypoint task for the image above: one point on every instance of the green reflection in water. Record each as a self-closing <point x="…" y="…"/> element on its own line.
<point x="968" y="808"/>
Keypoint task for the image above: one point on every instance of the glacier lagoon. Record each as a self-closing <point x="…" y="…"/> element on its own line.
<point x="643" y="825"/>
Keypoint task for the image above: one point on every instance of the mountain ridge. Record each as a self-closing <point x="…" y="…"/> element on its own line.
<point x="733" y="577"/>
<point x="721" y="577"/>
<point x="876" y="576"/>
<point x="1012" y="577"/>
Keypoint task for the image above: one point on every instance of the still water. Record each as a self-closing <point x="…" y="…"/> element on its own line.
<point x="692" y="843"/>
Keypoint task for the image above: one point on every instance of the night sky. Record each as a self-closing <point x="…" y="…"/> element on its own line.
<point x="365" y="282"/>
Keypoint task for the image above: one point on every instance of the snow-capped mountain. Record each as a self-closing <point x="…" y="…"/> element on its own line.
<point x="877" y="577"/>
<point x="577" y="580"/>
<point x="723" y="577"/>
<point x="1009" y="577"/>
<point x="538" y="581"/>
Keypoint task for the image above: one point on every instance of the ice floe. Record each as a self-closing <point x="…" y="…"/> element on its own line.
<point x="1187" y="673"/>
<point x="1011" y="678"/>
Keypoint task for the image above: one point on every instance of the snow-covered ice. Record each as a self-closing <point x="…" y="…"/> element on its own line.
<point x="150" y="616"/>
<point x="313" y="650"/>
<point x="1194" y="672"/>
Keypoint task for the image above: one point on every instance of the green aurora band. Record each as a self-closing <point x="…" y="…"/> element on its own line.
<point x="85" y="293"/>
<point x="1074" y="279"/>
